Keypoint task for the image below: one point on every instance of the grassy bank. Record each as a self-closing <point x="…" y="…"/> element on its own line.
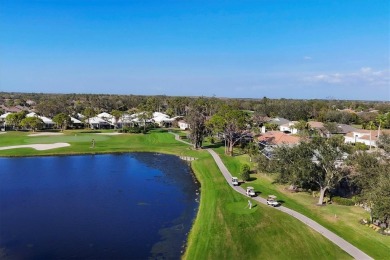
<point x="224" y="228"/>
<point x="342" y="220"/>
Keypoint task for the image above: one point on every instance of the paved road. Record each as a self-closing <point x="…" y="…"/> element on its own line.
<point x="343" y="244"/>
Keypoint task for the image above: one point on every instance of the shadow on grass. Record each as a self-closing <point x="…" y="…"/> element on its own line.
<point x="90" y="132"/>
<point x="49" y="130"/>
<point x="215" y="145"/>
<point x="160" y="130"/>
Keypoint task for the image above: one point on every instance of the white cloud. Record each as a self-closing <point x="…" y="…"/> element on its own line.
<point x="365" y="75"/>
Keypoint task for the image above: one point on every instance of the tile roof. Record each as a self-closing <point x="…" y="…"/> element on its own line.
<point x="278" y="138"/>
<point x="315" y="124"/>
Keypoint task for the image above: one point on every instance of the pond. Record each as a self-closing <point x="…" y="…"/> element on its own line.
<point x="123" y="206"/>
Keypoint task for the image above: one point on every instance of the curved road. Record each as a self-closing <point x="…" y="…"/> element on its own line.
<point x="343" y="244"/>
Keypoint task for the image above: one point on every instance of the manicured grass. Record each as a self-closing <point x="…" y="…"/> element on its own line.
<point x="342" y="220"/>
<point x="224" y="228"/>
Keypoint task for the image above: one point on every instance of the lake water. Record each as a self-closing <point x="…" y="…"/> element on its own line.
<point x="125" y="206"/>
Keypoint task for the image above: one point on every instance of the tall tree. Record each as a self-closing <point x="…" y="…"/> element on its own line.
<point x="88" y="113"/>
<point x="62" y="120"/>
<point x="381" y="120"/>
<point x="384" y="142"/>
<point x="117" y="115"/>
<point x="33" y="122"/>
<point x="232" y="123"/>
<point x="196" y="118"/>
<point x="371" y="174"/>
<point x="317" y="163"/>
<point x="145" y="114"/>
<point x="15" y="119"/>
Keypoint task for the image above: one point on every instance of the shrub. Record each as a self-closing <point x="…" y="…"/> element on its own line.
<point x="343" y="201"/>
<point x="133" y="130"/>
<point x="245" y="170"/>
<point x="361" y="147"/>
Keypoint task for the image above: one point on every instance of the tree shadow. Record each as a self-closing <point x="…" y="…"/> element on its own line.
<point x="252" y="179"/>
<point x="49" y="130"/>
<point x="90" y="132"/>
<point x="215" y="145"/>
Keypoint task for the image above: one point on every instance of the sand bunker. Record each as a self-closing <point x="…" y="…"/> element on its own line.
<point x="39" y="147"/>
<point x="3" y="133"/>
<point x="45" y="133"/>
<point x="108" y="133"/>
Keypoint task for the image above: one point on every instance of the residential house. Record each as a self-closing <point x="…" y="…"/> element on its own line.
<point x="76" y="123"/>
<point x="318" y="127"/>
<point x="98" y="123"/>
<point x="276" y="138"/>
<point x="366" y="137"/>
<point x="288" y="128"/>
<point x="162" y="119"/>
<point x="345" y="129"/>
<point x="108" y="118"/>
<point x="279" y="121"/>
<point x="272" y="139"/>
<point x="48" y="123"/>
<point x="183" y="125"/>
<point x="2" y="121"/>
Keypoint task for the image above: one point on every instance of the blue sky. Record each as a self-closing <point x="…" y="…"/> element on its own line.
<point x="279" y="49"/>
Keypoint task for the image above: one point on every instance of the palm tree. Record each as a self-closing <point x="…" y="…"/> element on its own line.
<point x="144" y="116"/>
<point x="381" y="119"/>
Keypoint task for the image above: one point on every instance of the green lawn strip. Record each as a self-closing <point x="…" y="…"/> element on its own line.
<point x="342" y="220"/>
<point x="223" y="228"/>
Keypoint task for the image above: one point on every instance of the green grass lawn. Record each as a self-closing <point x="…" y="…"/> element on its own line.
<point x="342" y="220"/>
<point x="224" y="228"/>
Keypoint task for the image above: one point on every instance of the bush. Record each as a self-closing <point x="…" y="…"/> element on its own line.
<point x="361" y="147"/>
<point x="133" y="130"/>
<point x="245" y="170"/>
<point x="343" y="201"/>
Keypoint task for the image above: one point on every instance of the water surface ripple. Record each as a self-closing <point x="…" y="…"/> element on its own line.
<point x="123" y="206"/>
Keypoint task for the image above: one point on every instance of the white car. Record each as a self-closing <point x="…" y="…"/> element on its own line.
<point x="250" y="191"/>
<point x="235" y="181"/>
<point x="271" y="201"/>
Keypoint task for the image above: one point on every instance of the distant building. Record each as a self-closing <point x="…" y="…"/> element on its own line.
<point x="48" y="123"/>
<point x="183" y="125"/>
<point x="366" y="137"/>
<point x="279" y="121"/>
<point x="289" y="127"/>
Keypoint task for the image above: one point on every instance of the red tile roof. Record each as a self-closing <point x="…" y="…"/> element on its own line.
<point x="278" y="138"/>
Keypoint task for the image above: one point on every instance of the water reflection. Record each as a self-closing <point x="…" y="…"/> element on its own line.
<point x="132" y="206"/>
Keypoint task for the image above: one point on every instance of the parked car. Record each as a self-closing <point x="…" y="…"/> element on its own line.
<point x="235" y="181"/>
<point x="271" y="201"/>
<point x="250" y="191"/>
